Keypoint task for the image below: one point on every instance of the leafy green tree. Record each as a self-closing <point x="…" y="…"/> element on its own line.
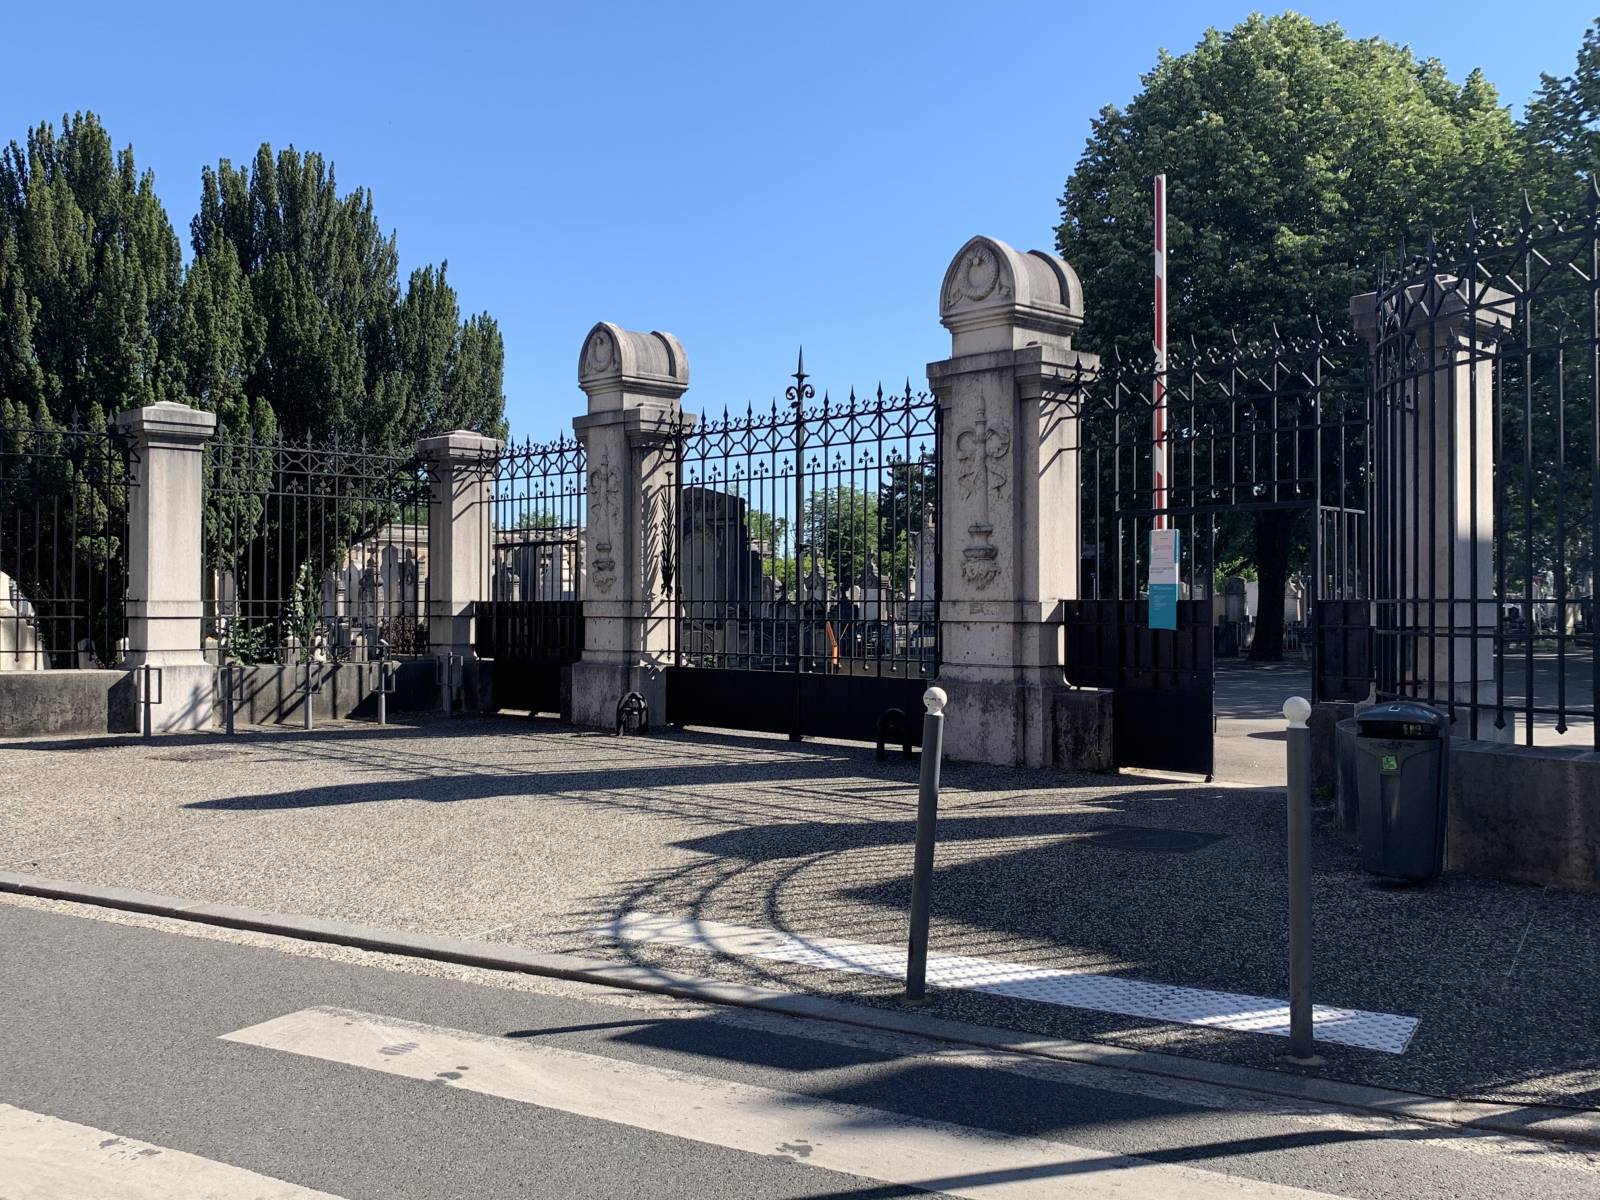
<point x="335" y="347"/>
<point x="1562" y="126"/>
<point x="90" y="279"/>
<point x="291" y="318"/>
<point x="1295" y="157"/>
<point x="840" y="533"/>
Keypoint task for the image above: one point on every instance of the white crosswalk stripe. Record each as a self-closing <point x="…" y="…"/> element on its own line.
<point x="867" y="1143"/>
<point x="46" y="1158"/>
<point x="1387" y="1032"/>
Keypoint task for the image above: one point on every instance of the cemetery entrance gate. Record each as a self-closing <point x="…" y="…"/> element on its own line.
<point x="803" y="559"/>
<point x="1267" y="455"/>
<point x="532" y="625"/>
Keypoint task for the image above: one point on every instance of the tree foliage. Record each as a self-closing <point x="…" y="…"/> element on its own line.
<point x="90" y="278"/>
<point x="1562" y="127"/>
<point x="327" y="339"/>
<point x="291" y="317"/>
<point x="290" y="321"/>
<point x="1296" y="157"/>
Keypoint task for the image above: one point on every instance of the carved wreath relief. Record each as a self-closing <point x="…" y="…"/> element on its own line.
<point x="981" y="453"/>
<point x="978" y="277"/>
<point x="601" y="353"/>
<point x="605" y="490"/>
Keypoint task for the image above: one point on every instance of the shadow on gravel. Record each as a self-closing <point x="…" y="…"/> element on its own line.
<point x="1505" y="979"/>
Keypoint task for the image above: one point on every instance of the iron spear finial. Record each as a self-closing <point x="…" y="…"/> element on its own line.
<point x="801" y="391"/>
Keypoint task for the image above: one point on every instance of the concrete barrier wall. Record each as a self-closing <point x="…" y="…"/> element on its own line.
<point x="1525" y="814"/>
<point x="34" y="703"/>
<point x="266" y="694"/>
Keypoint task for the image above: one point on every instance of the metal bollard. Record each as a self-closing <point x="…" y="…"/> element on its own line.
<point x="151" y="697"/>
<point x="450" y="673"/>
<point x="385" y="683"/>
<point x="934" y="699"/>
<point x="1296" y="711"/>
<point x="308" y="693"/>
<point x="227" y="697"/>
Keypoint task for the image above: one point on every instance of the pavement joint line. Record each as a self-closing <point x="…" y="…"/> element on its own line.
<point x="1546" y="1123"/>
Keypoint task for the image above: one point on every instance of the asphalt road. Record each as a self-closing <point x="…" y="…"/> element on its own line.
<point x="194" y="1061"/>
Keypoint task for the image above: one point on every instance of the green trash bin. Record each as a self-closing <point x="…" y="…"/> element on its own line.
<point x="1402" y="763"/>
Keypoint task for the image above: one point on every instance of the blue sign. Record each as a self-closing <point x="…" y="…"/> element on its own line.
<point x="1163" y="579"/>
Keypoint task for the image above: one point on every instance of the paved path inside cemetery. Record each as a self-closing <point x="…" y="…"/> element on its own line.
<point x="146" y="1057"/>
<point x="1137" y="911"/>
<point x="1250" y="745"/>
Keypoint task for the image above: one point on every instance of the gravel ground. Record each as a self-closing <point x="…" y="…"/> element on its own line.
<point x="534" y="833"/>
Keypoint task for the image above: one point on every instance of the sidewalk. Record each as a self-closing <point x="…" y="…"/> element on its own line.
<point x="541" y="836"/>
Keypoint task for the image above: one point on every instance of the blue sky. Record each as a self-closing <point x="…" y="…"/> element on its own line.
<point x="746" y="176"/>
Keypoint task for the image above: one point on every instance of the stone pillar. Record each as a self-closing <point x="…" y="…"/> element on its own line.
<point x="634" y="382"/>
<point x="1435" y="381"/>
<point x="460" y="519"/>
<point x="1009" y="527"/>
<point x="165" y="520"/>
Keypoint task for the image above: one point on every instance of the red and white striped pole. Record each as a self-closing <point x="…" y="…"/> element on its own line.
<point x="1158" y="452"/>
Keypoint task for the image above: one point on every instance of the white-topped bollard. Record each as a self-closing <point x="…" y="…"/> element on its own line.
<point x="934" y="700"/>
<point x="1297" y="711"/>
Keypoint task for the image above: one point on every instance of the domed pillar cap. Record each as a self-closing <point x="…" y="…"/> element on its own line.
<point x="614" y="359"/>
<point x="990" y="288"/>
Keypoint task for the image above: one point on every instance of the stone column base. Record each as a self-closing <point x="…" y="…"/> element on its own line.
<point x="1028" y="725"/>
<point x="188" y="697"/>
<point x="597" y="688"/>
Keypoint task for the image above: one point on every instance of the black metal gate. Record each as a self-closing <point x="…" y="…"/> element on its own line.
<point x="805" y="567"/>
<point x="1267" y="455"/>
<point x="532" y="625"/>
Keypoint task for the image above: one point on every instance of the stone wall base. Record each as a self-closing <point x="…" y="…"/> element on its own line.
<point x="1525" y="814"/>
<point x="272" y="695"/>
<point x="188" y="698"/>
<point x="597" y="688"/>
<point x="1082" y="722"/>
<point x="475" y="691"/>
<point x="36" y="703"/>
<point x="1027" y="725"/>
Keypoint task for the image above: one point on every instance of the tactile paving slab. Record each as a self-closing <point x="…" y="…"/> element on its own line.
<point x="1386" y="1032"/>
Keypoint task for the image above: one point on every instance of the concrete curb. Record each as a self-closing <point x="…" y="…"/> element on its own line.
<point x="1574" y="1126"/>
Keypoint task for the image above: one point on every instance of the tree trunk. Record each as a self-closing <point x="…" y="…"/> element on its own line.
<point x="1273" y="538"/>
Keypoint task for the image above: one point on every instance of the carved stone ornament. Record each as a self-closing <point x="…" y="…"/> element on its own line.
<point x="979" y="276"/>
<point x="982" y="451"/>
<point x="980" y="561"/>
<point x="600" y="355"/>
<point x="605" y="487"/>
<point x="605" y="568"/>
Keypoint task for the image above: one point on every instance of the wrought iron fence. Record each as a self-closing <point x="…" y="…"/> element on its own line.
<point x="1488" y="358"/>
<point x="64" y="497"/>
<point x="314" y="552"/>
<point x="1257" y="425"/>
<point x="805" y="537"/>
